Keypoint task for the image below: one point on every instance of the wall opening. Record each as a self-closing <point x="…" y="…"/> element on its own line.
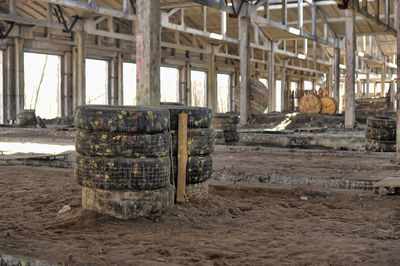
<point x="224" y="88"/>
<point x="169" y="84"/>
<point x="96" y="81"/>
<point x="199" y="81"/>
<point x="42" y="84"/>
<point x="129" y="86"/>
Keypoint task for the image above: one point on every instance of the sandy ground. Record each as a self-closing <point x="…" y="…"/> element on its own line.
<point x="238" y="225"/>
<point x="301" y="163"/>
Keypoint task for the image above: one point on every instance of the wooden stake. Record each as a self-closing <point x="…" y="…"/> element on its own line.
<point x="182" y="158"/>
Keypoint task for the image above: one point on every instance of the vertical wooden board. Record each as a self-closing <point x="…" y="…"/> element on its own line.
<point x="182" y="158"/>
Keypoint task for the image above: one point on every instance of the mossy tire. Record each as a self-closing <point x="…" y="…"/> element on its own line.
<point x="200" y="141"/>
<point x="380" y="133"/>
<point x="380" y="145"/>
<point x="123" y="119"/>
<point x="126" y="205"/>
<point x="198" y="117"/>
<point x="114" y="144"/>
<point x="381" y="122"/>
<point x="231" y="136"/>
<point x="198" y="169"/>
<point x="122" y="173"/>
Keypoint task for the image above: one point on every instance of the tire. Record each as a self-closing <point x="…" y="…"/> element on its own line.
<point x="225" y="127"/>
<point x="226" y="119"/>
<point x="198" y="117"/>
<point x="128" y="204"/>
<point x="200" y="141"/>
<point x="380" y="146"/>
<point x="218" y="133"/>
<point x="380" y="134"/>
<point x="171" y="103"/>
<point x="26" y="117"/>
<point x="122" y="173"/>
<point x="111" y="144"/>
<point x="198" y="169"/>
<point x="123" y="119"/>
<point x="231" y="136"/>
<point x="381" y="122"/>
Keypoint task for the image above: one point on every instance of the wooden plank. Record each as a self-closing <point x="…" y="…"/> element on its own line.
<point x="182" y="158"/>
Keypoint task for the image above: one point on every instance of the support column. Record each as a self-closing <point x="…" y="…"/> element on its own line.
<point x="284" y="93"/>
<point x="212" y="92"/>
<point x="367" y="94"/>
<point x="397" y="27"/>
<point x="19" y="74"/>
<point x="120" y="65"/>
<point x="336" y="73"/>
<point x="148" y="52"/>
<point x="359" y="89"/>
<point x="235" y="82"/>
<point x="66" y="91"/>
<point x="383" y="80"/>
<point x="11" y="111"/>
<point x="182" y="85"/>
<point x="271" y="80"/>
<point x="329" y="81"/>
<point x="244" y="37"/>
<point x="392" y="93"/>
<point x="112" y="90"/>
<point x="350" y="112"/>
<point x="80" y="68"/>
<point x="188" y="84"/>
<point x="3" y="110"/>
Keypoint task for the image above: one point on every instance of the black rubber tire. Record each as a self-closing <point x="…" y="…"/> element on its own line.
<point x="198" y="169"/>
<point x="380" y="146"/>
<point x="380" y="134"/>
<point x="123" y="119"/>
<point x="218" y="133"/>
<point x="112" y="144"/>
<point x="198" y="117"/>
<point x="200" y="141"/>
<point x="231" y="136"/>
<point x="122" y="173"/>
<point x="26" y="117"/>
<point x="171" y="103"/>
<point x="225" y="127"/>
<point x="381" y="122"/>
<point x="229" y="118"/>
<point x="127" y="204"/>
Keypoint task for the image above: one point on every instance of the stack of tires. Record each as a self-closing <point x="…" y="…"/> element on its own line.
<point x="219" y="138"/>
<point x="200" y="145"/>
<point x="123" y="162"/>
<point x="380" y="134"/>
<point x="26" y="118"/>
<point x="228" y="123"/>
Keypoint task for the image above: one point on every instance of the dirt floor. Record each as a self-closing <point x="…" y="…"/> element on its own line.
<point x="238" y="225"/>
<point x="355" y="166"/>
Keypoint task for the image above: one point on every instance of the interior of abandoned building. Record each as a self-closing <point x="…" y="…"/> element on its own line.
<point x="199" y="132"/>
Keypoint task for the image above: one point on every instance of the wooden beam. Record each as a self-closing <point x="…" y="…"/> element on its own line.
<point x="350" y="69"/>
<point x="244" y="36"/>
<point x="148" y="52"/>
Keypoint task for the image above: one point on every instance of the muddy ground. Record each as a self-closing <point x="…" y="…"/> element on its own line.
<point x="238" y="225"/>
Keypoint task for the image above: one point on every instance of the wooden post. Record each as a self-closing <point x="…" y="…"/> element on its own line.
<point x="397" y="27"/>
<point x="148" y="52"/>
<point x="19" y="74"/>
<point x="182" y="158"/>
<point x="212" y="91"/>
<point x="350" y="114"/>
<point x="244" y="35"/>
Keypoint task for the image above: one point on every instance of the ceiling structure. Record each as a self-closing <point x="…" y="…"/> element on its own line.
<point x="302" y="34"/>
